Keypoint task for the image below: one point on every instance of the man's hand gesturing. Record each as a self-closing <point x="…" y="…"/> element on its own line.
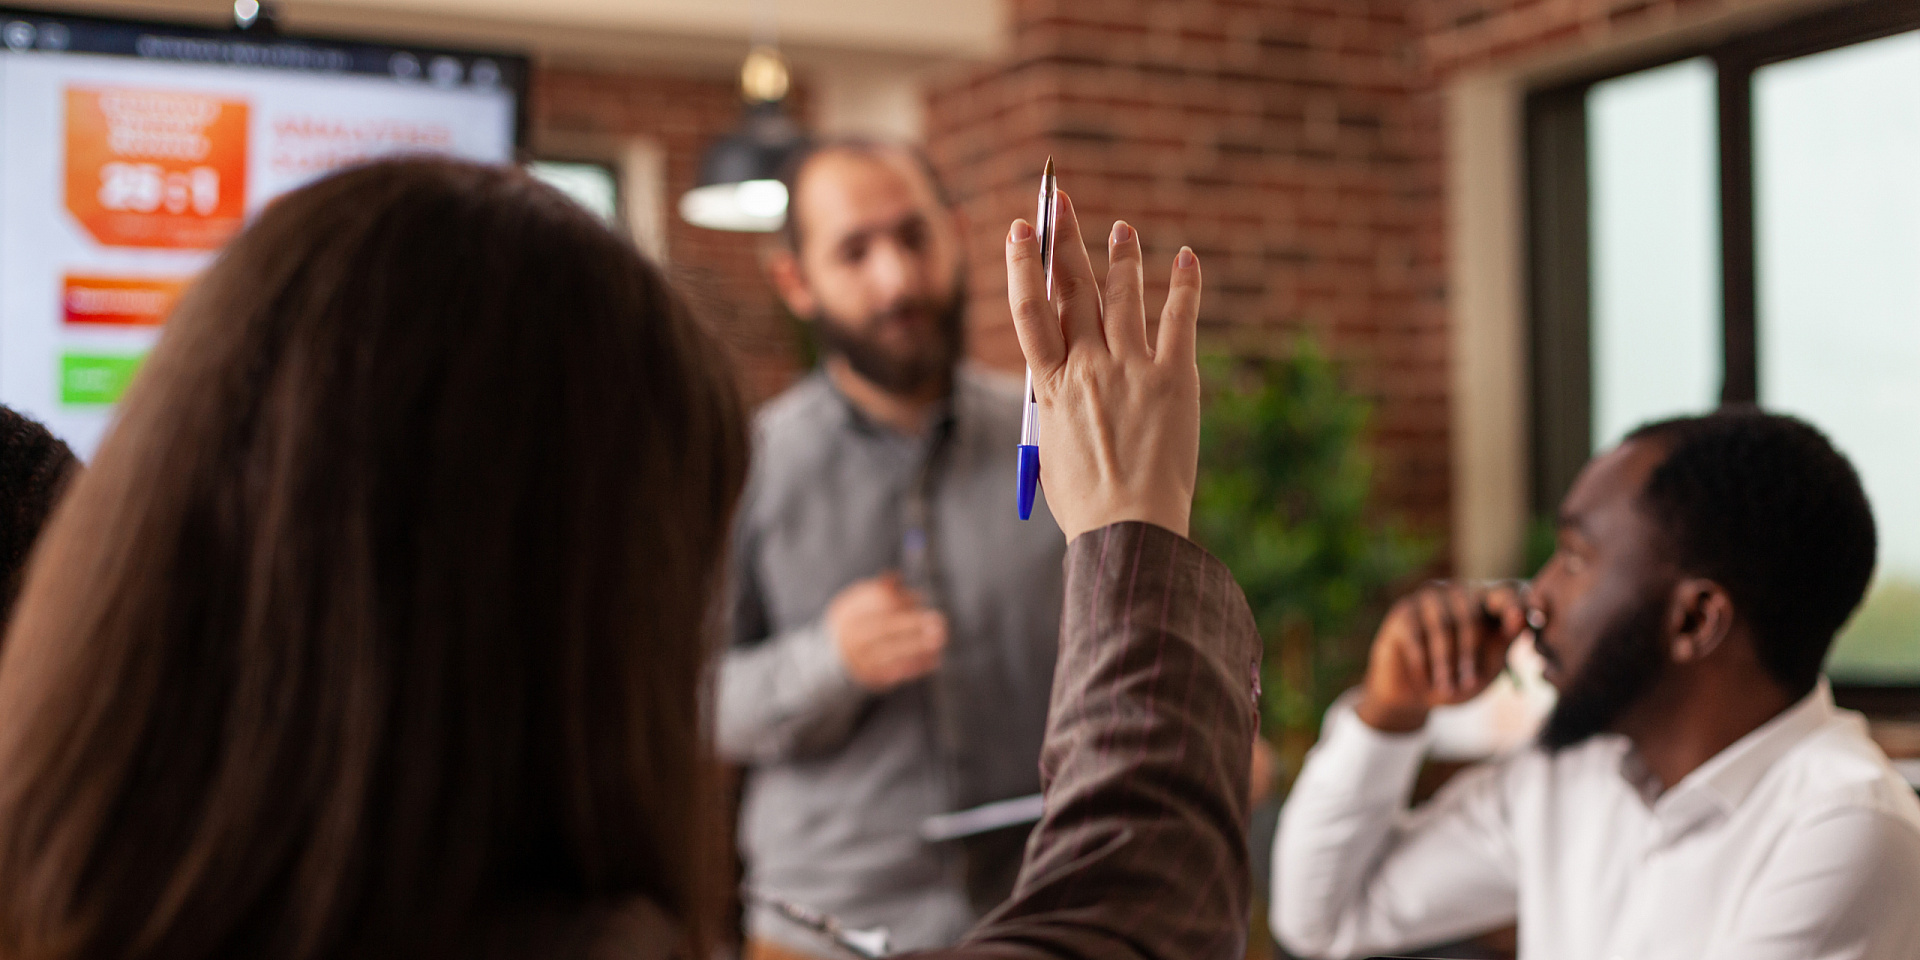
<point x="885" y="635"/>
<point x="1119" y="417"/>
<point x="1440" y="645"/>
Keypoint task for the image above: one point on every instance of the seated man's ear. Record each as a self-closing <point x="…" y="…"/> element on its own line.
<point x="783" y="268"/>
<point x="1699" y="619"/>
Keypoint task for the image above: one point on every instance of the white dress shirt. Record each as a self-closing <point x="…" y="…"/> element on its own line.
<point x="1798" y="842"/>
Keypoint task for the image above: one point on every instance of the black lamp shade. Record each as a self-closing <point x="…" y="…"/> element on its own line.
<point x="739" y="186"/>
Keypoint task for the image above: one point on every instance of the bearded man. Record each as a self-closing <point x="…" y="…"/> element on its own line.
<point x="894" y="623"/>
<point x="1694" y="794"/>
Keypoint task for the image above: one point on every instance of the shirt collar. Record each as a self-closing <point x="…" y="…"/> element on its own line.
<point x="942" y="414"/>
<point x="1721" y="784"/>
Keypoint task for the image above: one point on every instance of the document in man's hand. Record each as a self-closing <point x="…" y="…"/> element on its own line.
<point x="981" y="819"/>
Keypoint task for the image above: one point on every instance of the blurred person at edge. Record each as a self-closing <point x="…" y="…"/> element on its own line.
<point x="35" y="468"/>
<point x="1694" y="793"/>
<point x="893" y="620"/>
<point x="378" y="626"/>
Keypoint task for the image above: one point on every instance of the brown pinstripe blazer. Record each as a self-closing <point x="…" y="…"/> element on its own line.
<point x="1142" y="852"/>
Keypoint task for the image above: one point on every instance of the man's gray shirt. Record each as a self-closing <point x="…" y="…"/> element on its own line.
<point x="838" y="779"/>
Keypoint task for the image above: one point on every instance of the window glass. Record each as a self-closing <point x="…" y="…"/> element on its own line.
<point x="591" y="185"/>
<point x="1837" y="194"/>
<point x="1654" y="195"/>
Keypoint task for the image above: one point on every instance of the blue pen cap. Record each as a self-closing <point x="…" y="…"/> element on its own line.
<point x="1029" y="478"/>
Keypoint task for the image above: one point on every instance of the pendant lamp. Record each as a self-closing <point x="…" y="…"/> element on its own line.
<point x="739" y="187"/>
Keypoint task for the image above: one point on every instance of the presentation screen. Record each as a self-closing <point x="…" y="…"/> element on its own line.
<point x="129" y="152"/>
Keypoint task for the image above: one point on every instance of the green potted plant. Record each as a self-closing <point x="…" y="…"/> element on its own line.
<point x="1285" y="499"/>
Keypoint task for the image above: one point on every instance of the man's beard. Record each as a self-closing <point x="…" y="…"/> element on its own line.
<point x="1627" y="659"/>
<point x="928" y="369"/>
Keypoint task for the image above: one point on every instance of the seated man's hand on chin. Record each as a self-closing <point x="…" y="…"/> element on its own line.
<point x="1440" y="645"/>
<point x="1119" y="415"/>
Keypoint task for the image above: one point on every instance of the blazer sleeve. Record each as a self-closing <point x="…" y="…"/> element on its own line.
<point x="1142" y="851"/>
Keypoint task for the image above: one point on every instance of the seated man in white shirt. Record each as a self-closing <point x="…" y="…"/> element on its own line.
<point x="1694" y="794"/>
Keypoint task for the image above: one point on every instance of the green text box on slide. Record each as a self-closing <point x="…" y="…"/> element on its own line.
<point x="96" y="379"/>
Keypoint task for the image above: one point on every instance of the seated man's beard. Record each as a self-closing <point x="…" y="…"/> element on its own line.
<point x="928" y="368"/>
<point x="1626" y="660"/>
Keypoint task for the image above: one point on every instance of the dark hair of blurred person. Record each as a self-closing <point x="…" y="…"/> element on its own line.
<point x="375" y="627"/>
<point x="1761" y="505"/>
<point x="1765" y="506"/>
<point x="791" y="227"/>
<point x="35" y="467"/>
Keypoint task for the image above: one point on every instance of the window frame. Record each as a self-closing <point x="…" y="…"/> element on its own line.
<point x="577" y="159"/>
<point x="1556" y="246"/>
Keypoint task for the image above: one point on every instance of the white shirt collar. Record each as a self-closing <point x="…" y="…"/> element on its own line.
<point x="1716" y="788"/>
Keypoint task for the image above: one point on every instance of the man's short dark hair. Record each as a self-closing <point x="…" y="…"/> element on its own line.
<point x="864" y="146"/>
<point x="1763" y="505"/>
<point x="34" y="469"/>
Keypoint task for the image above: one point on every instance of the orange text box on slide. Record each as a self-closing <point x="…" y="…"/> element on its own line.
<point x="119" y="301"/>
<point x="150" y="168"/>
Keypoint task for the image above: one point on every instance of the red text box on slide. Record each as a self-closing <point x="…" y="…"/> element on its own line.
<point x="118" y="301"/>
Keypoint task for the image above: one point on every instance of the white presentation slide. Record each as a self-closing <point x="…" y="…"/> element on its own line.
<point x="121" y="177"/>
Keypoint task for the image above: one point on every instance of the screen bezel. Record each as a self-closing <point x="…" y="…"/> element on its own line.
<point x="515" y="68"/>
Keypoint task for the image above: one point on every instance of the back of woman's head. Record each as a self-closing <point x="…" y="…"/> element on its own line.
<point x="35" y="467"/>
<point x="377" y="621"/>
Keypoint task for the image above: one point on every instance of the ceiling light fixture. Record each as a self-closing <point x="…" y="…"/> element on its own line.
<point x="739" y="187"/>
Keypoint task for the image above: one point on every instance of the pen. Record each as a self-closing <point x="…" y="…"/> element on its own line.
<point x="869" y="944"/>
<point x="1029" y="410"/>
<point x="1536" y="619"/>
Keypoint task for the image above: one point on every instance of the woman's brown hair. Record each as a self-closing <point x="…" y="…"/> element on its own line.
<point x="375" y="628"/>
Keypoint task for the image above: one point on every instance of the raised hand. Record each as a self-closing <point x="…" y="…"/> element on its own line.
<point x="1119" y="417"/>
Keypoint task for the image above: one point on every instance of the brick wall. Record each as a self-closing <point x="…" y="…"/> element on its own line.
<point x="1281" y="140"/>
